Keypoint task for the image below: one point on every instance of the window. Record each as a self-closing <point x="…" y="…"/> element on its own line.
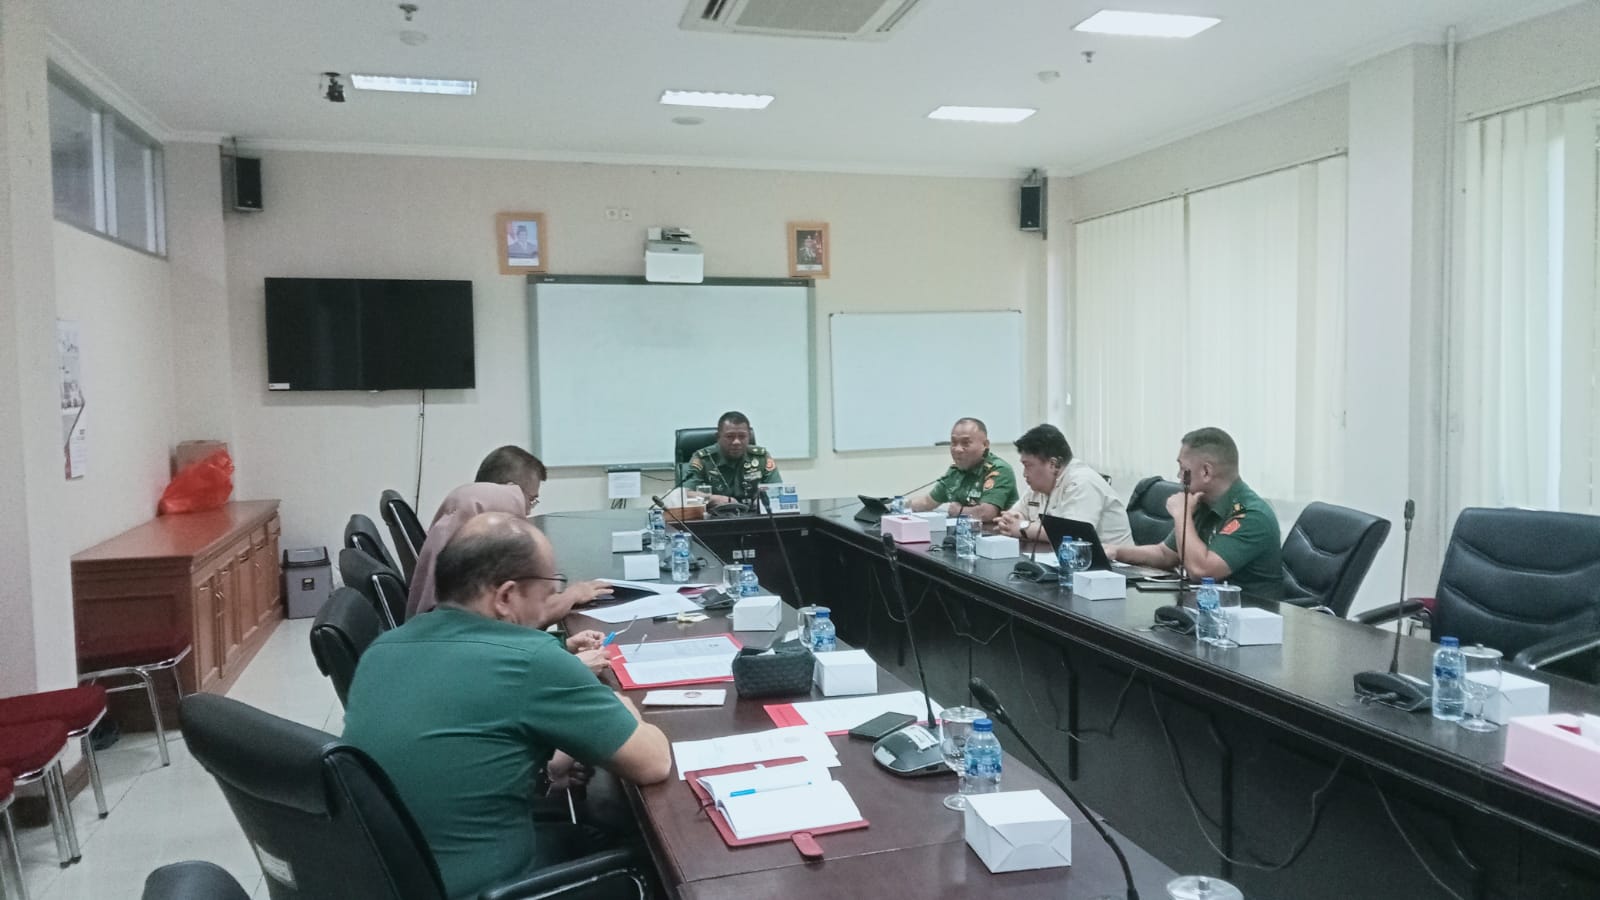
<point x="1526" y="337"/>
<point x="108" y="176"/>
<point x="1232" y="299"/>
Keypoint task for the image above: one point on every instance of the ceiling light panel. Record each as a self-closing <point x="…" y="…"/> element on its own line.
<point x="405" y="85"/>
<point x="994" y="115"/>
<point x="1143" y="24"/>
<point x="716" y="99"/>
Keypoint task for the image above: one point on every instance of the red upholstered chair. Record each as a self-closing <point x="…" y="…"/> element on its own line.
<point x="140" y="655"/>
<point x="80" y="709"/>
<point x="33" y="753"/>
<point x="7" y="790"/>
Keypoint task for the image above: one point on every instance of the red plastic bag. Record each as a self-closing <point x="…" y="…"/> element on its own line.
<point x="204" y="485"/>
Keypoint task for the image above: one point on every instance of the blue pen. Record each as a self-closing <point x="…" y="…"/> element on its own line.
<point x="609" y="638"/>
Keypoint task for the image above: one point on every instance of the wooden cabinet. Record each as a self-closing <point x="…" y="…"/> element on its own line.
<point x="214" y="575"/>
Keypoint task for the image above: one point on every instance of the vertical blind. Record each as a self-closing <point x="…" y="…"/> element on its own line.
<point x="1223" y="307"/>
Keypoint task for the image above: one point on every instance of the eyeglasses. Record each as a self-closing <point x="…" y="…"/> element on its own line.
<point x="558" y="578"/>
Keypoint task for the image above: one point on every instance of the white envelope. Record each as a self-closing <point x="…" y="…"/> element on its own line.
<point x="1016" y="830"/>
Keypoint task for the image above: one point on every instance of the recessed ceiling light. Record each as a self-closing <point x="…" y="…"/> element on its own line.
<point x="1005" y="115"/>
<point x="1143" y="24"/>
<point x="716" y="99"/>
<point x="413" y="85"/>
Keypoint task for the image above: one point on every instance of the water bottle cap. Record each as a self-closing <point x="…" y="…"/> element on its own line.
<point x="749" y="568"/>
<point x="1449" y="642"/>
<point x="1205" y="581"/>
<point x="821" y="614"/>
<point x="983" y="725"/>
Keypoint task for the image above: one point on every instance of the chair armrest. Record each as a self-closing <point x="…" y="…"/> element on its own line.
<point x="1390" y="613"/>
<point x="1556" y="649"/>
<point x="596" y="875"/>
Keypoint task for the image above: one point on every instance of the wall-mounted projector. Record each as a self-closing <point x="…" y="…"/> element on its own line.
<point x="672" y="257"/>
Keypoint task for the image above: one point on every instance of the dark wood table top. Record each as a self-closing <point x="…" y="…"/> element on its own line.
<point x="183" y="536"/>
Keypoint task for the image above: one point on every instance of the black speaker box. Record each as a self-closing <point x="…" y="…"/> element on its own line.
<point x="1031" y="207"/>
<point x="242" y="182"/>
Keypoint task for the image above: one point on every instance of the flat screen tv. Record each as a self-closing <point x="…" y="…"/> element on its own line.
<point x="368" y="334"/>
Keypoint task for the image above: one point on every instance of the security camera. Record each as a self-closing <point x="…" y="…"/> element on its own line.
<point x="335" y="91"/>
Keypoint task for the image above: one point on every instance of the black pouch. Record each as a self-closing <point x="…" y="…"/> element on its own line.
<point x="785" y="671"/>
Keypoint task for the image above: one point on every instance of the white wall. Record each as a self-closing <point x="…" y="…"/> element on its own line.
<point x="1529" y="62"/>
<point x="899" y="243"/>
<point x="121" y="300"/>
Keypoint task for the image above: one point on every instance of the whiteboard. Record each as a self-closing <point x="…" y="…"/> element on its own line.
<point x="874" y="410"/>
<point x="618" y="365"/>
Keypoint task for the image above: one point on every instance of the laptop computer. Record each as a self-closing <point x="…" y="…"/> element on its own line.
<point x="872" y="509"/>
<point x="1060" y="529"/>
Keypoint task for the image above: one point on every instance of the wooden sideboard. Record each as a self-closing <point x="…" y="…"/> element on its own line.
<point x="214" y="575"/>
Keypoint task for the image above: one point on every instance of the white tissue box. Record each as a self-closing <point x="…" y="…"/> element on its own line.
<point x="1518" y="697"/>
<point x="1097" y="584"/>
<point x="1016" y="830"/>
<point x="641" y="567"/>
<point x="1249" y="626"/>
<point x="998" y="546"/>
<point x="627" y="541"/>
<point x="937" y="521"/>
<point x="762" y="612"/>
<point x="842" y="672"/>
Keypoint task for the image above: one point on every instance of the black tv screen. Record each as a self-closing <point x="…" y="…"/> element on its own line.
<point x="368" y="334"/>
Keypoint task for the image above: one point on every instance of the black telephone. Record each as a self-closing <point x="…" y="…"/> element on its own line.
<point x="1180" y="619"/>
<point x="724" y="510"/>
<point x="1028" y="570"/>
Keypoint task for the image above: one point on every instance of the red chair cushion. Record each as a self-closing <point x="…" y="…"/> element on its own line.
<point x="28" y="748"/>
<point x="137" y="649"/>
<point x="74" y="707"/>
<point x="6" y="785"/>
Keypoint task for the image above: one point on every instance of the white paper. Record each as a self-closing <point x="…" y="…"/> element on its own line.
<point x="686" y="698"/>
<point x="764" y="779"/>
<point x="622" y="485"/>
<point x="668" y="671"/>
<point x="845" y="713"/>
<point x="715" y="646"/>
<point x="794" y="809"/>
<point x="74" y="423"/>
<point x="643" y="608"/>
<point x="758" y="746"/>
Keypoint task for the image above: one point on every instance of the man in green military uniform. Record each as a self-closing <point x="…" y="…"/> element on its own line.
<point x="1230" y="533"/>
<point x="978" y="483"/>
<point x="729" y="470"/>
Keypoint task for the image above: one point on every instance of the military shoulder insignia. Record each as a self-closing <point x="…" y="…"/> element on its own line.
<point x="697" y="462"/>
<point x="988" y="483"/>
<point x="1231" y="525"/>
<point x="772" y="464"/>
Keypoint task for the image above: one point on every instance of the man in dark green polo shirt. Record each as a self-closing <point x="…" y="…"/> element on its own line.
<point x="978" y="483"/>
<point x="464" y="706"/>
<point x="1231" y="534"/>
<point x="729" y="470"/>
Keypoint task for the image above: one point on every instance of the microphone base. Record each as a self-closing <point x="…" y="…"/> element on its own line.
<point x="911" y="752"/>
<point x="1403" y="692"/>
<point x="1181" y="619"/>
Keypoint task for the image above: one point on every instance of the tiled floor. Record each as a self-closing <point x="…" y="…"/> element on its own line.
<point x="161" y="815"/>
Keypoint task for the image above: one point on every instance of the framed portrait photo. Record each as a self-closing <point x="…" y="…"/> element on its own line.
<point x="809" y="250"/>
<point x="522" y="242"/>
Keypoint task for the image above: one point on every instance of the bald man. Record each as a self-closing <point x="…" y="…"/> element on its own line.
<point x="463" y="706"/>
<point x="978" y="483"/>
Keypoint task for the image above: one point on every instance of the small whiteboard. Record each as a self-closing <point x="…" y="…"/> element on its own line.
<point x="900" y="380"/>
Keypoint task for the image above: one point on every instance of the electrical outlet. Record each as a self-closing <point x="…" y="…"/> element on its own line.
<point x="627" y="215"/>
<point x="613" y="214"/>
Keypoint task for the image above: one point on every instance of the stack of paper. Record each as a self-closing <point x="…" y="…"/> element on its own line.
<point x="840" y="715"/>
<point x="781" y="800"/>
<point x="664" y="600"/>
<point x="810" y="744"/>
<point x="691" y="661"/>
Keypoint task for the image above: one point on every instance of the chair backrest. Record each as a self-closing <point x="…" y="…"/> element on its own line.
<point x="380" y="584"/>
<point x="688" y="440"/>
<point x="1327" y="554"/>
<point x="1147" y="509"/>
<point x="405" y="528"/>
<point x="1514" y="577"/>
<point x="361" y="533"/>
<point x="343" y="630"/>
<point x="192" y="880"/>
<point x="322" y="817"/>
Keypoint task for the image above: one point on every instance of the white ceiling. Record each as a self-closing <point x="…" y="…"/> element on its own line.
<point x="579" y="79"/>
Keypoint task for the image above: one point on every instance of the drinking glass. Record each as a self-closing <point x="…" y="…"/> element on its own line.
<point x="955" y="726"/>
<point x="730" y="579"/>
<point x="1482" y="682"/>
<point x="1082" y="555"/>
<point x="1227" y="599"/>
<point x="808" y="616"/>
<point x="1201" y="887"/>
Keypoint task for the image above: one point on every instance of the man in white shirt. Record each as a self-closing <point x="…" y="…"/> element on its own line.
<point x="1059" y="485"/>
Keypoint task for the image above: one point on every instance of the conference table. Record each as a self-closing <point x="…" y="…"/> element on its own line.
<point x="1255" y="763"/>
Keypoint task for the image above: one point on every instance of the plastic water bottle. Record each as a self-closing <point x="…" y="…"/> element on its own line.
<point x="748" y="586"/>
<point x="897" y="505"/>
<point x="658" y="535"/>
<point x="1210" y="604"/>
<point x="982" y="756"/>
<point x="966" y="537"/>
<point x="680" y="558"/>
<point x="1449" y="697"/>
<point x="823" y="638"/>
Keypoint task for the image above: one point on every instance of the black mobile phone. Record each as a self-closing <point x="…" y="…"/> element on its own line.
<point x="881" y="726"/>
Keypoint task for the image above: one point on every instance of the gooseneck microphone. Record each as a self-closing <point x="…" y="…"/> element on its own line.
<point x="914" y="749"/>
<point x="986" y="698"/>
<point x="1395" y="688"/>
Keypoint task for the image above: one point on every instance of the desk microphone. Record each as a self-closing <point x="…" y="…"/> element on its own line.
<point x="949" y="542"/>
<point x="1178" y="617"/>
<point x="986" y="698"/>
<point x="914" y="749"/>
<point x="1395" y="688"/>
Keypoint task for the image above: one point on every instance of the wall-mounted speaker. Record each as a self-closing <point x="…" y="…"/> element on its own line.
<point x="1031" y="204"/>
<point x="241" y="183"/>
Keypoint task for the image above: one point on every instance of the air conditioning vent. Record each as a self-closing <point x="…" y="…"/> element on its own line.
<point x="846" y="20"/>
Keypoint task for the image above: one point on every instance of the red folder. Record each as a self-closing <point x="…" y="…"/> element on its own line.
<point x="801" y="839"/>
<point x="620" y="667"/>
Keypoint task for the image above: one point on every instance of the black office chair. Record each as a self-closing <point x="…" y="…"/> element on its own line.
<point x="1524" y="582"/>
<point x="405" y="528"/>
<point x="1147" y="509"/>
<point x="1327" y="554"/>
<point x="327" y="815"/>
<point x="192" y="880"/>
<point x="685" y="442"/>
<point x="361" y="533"/>
<point x="380" y="584"/>
<point x="343" y="630"/>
